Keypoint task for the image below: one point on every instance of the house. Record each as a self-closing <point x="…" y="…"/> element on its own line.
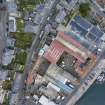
<point x="60" y="17"/>
<point x="7" y="57"/>
<point x="12" y="24"/>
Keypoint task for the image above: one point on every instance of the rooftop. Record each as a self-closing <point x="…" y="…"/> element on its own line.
<point x="40" y="8"/>
<point x="54" y="52"/>
<point x="84" y="33"/>
<point x="10" y="42"/>
<point x="101" y="3"/>
<point x="61" y="15"/>
<point x="45" y="101"/>
<point x="7" y="57"/>
<point x="12" y="24"/>
<point x="12" y="7"/>
<point x="3" y="75"/>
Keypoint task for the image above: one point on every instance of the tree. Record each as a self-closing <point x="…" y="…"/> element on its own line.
<point x="6" y="100"/>
<point x="23" y="40"/>
<point x="21" y="58"/>
<point x="7" y="85"/>
<point x="28" y="5"/>
<point x="84" y="9"/>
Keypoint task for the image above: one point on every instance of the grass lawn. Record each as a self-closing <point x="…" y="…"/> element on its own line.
<point x="20" y="25"/>
<point x="23" y="40"/>
<point x="84" y="9"/>
<point x="20" y="68"/>
<point x="21" y="58"/>
<point x="28" y="5"/>
<point x="7" y="85"/>
<point x="20" y="61"/>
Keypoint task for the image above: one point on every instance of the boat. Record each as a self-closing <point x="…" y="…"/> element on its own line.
<point x="101" y="78"/>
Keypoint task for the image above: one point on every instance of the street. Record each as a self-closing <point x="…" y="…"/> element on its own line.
<point x="3" y="20"/>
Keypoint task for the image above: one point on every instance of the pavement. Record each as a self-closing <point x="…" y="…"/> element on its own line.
<point x="15" y="89"/>
<point x="16" y="83"/>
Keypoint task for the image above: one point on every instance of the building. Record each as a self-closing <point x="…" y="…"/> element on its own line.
<point x="44" y="101"/>
<point x="60" y="16"/>
<point x="101" y="3"/>
<point x="38" y="18"/>
<point x="75" y="52"/>
<point x="12" y="8"/>
<point x="68" y="4"/>
<point x="7" y="56"/>
<point x="12" y="24"/>
<point x="75" y="48"/>
<point x="59" y="71"/>
<point x="89" y="35"/>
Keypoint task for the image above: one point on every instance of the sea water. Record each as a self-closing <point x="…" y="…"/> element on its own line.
<point x="94" y="96"/>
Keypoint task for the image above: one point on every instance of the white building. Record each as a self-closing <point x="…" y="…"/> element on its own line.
<point x="45" y="101"/>
<point x="12" y="24"/>
<point x="12" y="8"/>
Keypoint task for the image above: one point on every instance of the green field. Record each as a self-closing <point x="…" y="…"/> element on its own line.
<point x="23" y="40"/>
<point x="20" y="25"/>
<point x="28" y="5"/>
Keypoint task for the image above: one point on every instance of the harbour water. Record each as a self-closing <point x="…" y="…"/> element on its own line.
<point x="94" y="96"/>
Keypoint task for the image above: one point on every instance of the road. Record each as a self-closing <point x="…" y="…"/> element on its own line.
<point x="15" y="88"/>
<point x="3" y="20"/>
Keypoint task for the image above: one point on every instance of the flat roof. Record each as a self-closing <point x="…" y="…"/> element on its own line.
<point x="3" y="75"/>
<point x="82" y="22"/>
<point x="45" y="101"/>
<point x="7" y="57"/>
<point x="84" y="33"/>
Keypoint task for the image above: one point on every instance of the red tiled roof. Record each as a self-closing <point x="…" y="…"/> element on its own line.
<point x="69" y="39"/>
<point x="55" y="51"/>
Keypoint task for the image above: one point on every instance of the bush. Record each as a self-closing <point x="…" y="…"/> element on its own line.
<point x="23" y="40"/>
<point x="7" y="85"/>
<point x="84" y="9"/>
<point x="20" y="25"/>
<point x="28" y="5"/>
<point x="6" y="100"/>
<point x="21" y="58"/>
